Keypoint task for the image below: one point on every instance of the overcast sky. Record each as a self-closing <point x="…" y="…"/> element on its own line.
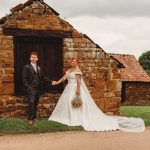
<point x="118" y="26"/>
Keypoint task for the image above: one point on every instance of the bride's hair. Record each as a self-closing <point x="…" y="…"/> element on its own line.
<point x="74" y="58"/>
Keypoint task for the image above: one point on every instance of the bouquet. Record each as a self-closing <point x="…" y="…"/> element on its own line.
<point x="76" y="102"/>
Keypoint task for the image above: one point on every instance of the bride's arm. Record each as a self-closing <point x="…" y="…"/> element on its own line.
<point x="78" y="78"/>
<point x="61" y="80"/>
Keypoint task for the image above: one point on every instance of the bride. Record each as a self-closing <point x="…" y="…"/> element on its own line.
<point x="89" y="116"/>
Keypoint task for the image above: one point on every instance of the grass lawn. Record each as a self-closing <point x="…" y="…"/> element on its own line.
<point x="17" y="126"/>
<point x="137" y="111"/>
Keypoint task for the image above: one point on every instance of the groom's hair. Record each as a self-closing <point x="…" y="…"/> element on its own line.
<point x="33" y="53"/>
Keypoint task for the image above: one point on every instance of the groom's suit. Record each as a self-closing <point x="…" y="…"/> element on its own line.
<point x="32" y="82"/>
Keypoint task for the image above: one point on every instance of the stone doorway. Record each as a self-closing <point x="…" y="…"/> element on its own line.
<point x="50" y="59"/>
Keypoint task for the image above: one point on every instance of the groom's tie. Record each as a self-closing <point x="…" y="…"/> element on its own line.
<point x="35" y="67"/>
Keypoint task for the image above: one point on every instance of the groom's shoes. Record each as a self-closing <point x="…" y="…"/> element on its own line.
<point x="30" y="122"/>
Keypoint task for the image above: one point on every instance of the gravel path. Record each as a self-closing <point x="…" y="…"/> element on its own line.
<point x="113" y="140"/>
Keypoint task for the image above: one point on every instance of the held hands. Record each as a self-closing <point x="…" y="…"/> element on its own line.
<point x="59" y="81"/>
<point x="54" y="83"/>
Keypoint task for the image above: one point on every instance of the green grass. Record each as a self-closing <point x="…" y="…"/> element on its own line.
<point x="137" y="111"/>
<point x="17" y="126"/>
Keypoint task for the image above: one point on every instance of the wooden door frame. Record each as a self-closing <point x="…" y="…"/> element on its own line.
<point x="61" y="53"/>
<point x="37" y="33"/>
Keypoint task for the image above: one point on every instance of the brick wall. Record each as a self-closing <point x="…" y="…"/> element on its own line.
<point x="100" y="72"/>
<point x="137" y="93"/>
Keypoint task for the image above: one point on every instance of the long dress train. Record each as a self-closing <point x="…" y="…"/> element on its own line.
<point x="89" y="116"/>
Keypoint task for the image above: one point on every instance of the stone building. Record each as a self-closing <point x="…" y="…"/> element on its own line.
<point x="135" y="81"/>
<point x="36" y="26"/>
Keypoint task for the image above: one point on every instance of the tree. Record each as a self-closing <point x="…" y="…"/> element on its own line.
<point x="144" y="61"/>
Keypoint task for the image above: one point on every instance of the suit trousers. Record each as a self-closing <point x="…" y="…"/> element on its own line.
<point x="33" y="100"/>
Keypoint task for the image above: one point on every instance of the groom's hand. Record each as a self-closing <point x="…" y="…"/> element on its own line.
<point x="54" y="83"/>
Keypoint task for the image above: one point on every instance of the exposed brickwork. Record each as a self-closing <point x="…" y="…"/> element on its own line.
<point x="137" y="81"/>
<point x="137" y="93"/>
<point x="100" y="72"/>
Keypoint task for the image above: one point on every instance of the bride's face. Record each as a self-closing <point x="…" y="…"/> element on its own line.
<point x="74" y="63"/>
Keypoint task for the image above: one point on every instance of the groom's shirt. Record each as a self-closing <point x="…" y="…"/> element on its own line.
<point x="34" y="66"/>
<point x="36" y="78"/>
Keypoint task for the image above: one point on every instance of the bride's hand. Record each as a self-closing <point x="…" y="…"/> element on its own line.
<point x="78" y="92"/>
<point x="54" y="83"/>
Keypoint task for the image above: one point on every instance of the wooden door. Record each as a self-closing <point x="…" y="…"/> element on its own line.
<point x="50" y="59"/>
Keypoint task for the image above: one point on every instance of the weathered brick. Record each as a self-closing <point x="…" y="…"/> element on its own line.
<point x="10" y="101"/>
<point x="1" y="87"/>
<point x="8" y="78"/>
<point x="117" y="93"/>
<point x="2" y="109"/>
<point x="19" y="113"/>
<point x="5" y="114"/>
<point x="137" y="93"/>
<point x="46" y="106"/>
<point x="10" y="107"/>
<point x="1" y="103"/>
<point x="99" y="71"/>
<point x="8" y="88"/>
<point x="21" y="106"/>
<point x="111" y="85"/>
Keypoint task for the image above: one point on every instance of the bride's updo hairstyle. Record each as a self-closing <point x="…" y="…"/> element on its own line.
<point x="74" y="58"/>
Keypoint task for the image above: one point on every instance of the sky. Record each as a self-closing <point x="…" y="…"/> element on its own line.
<point x="118" y="26"/>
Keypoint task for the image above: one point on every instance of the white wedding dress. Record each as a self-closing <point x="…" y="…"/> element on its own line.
<point x="89" y="116"/>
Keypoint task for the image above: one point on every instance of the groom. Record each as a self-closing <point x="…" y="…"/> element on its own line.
<point x="32" y="78"/>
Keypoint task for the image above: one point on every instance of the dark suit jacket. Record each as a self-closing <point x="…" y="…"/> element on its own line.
<point x="27" y="77"/>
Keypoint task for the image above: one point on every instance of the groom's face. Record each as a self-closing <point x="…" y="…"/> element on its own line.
<point x="33" y="58"/>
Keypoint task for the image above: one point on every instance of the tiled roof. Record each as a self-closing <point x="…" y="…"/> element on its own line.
<point x="132" y="70"/>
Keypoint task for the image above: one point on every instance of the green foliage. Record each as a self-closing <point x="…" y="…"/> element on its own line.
<point x="144" y="61"/>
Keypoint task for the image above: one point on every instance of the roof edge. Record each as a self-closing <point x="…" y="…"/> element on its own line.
<point x="22" y="6"/>
<point x="120" y="64"/>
